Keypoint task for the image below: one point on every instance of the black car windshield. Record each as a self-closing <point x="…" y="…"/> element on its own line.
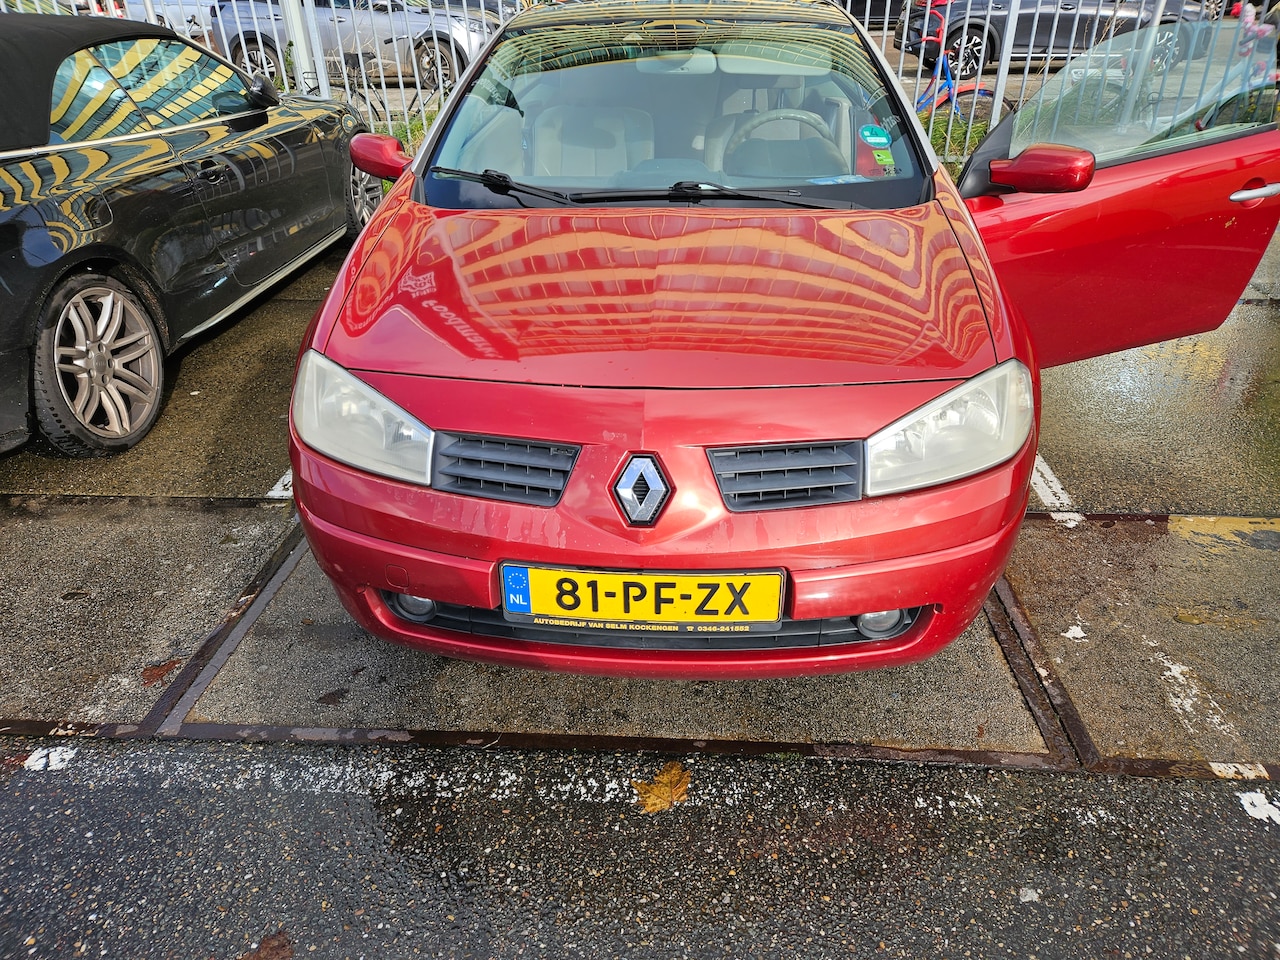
<point x="622" y="110"/>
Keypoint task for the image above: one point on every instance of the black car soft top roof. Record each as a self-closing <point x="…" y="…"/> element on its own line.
<point x="32" y="47"/>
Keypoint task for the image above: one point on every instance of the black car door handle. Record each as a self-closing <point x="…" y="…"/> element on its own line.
<point x="212" y="172"/>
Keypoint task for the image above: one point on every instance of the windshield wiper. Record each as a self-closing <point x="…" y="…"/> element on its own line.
<point x="686" y="191"/>
<point x="501" y="183"/>
<point x="695" y="191"/>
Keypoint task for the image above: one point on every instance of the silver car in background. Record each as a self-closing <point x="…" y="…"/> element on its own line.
<point x="368" y="41"/>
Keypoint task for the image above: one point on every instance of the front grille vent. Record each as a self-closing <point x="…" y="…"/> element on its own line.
<point x="498" y="468"/>
<point x="790" y="633"/>
<point x="791" y="475"/>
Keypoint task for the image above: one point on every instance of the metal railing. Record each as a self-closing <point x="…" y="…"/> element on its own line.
<point x="395" y="60"/>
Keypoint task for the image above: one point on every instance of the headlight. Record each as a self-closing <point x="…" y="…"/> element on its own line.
<point x="346" y="419"/>
<point x="979" y="424"/>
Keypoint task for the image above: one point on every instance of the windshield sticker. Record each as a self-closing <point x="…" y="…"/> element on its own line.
<point x="883" y="157"/>
<point x="877" y="138"/>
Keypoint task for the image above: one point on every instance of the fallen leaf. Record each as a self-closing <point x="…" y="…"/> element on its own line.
<point x="277" y="946"/>
<point x="669" y="787"/>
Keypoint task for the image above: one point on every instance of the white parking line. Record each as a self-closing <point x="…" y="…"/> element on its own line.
<point x="1240" y="771"/>
<point x="1053" y="495"/>
<point x="49" y="758"/>
<point x="1259" y="807"/>
<point x="283" y="489"/>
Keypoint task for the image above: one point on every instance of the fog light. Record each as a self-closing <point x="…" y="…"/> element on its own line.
<point x="410" y="607"/>
<point x="882" y="624"/>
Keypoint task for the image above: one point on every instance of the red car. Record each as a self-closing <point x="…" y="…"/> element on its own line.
<point x="676" y="353"/>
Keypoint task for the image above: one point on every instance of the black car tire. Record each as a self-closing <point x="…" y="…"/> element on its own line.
<point x="437" y="66"/>
<point x="1192" y="40"/>
<point x="255" y="57"/>
<point x="364" y="193"/>
<point x="967" y="51"/>
<point x="98" y="367"/>
<point x="1172" y="42"/>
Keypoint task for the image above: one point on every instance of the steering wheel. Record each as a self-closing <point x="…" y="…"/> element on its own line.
<point x="807" y="117"/>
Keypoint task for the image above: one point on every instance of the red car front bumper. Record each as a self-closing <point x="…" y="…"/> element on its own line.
<point x="938" y="550"/>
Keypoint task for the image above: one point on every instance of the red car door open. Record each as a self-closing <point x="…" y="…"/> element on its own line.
<point x="1182" y="206"/>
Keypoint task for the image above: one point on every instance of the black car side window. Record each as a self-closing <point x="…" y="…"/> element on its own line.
<point x="88" y="104"/>
<point x="173" y="82"/>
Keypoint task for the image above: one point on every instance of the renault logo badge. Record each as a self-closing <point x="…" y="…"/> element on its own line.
<point x="642" y="490"/>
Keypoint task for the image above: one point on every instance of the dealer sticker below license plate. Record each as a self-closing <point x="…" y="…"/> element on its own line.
<point x="673" y="602"/>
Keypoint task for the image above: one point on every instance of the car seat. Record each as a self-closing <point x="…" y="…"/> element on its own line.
<point x="589" y="141"/>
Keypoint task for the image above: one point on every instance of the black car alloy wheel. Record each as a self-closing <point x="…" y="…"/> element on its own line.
<point x="364" y="193"/>
<point x="255" y="57"/>
<point x="437" y="69"/>
<point x="98" y="367"/>
<point x="967" y="51"/>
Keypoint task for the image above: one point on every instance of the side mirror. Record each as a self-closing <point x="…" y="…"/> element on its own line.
<point x="1046" y="168"/>
<point x="379" y="155"/>
<point x="262" y="92"/>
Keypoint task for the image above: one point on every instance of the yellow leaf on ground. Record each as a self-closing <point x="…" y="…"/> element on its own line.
<point x="670" y="786"/>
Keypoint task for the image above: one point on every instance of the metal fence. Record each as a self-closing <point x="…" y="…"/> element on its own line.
<point x="987" y="57"/>
<point x="394" y="60"/>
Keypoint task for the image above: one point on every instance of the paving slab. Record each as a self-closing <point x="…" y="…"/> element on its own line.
<point x="105" y="600"/>
<point x="1164" y="633"/>
<point x="305" y="663"/>
<point x="1189" y="426"/>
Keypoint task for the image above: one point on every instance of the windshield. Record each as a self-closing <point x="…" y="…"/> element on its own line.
<point x="800" y="109"/>
<point x="1152" y="89"/>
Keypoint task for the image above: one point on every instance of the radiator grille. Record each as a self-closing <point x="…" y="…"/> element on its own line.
<point x="790" y="633"/>
<point x="788" y="475"/>
<point x="499" y="468"/>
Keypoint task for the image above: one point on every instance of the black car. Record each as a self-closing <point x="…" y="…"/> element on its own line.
<point x="974" y="32"/>
<point x="874" y="13"/>
<point x="148" y="189"/>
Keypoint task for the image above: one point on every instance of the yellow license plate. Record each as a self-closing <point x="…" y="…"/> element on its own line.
<point x="677" y="602"/>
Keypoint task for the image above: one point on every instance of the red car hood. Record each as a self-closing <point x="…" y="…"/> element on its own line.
<point x="659" y="297"/>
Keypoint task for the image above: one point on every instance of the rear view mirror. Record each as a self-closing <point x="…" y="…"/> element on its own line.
<point x="263" y="93"/>
<point x="379" y="155"/>
<point x="1046" y="168"/>
<point x="695" y="61"/>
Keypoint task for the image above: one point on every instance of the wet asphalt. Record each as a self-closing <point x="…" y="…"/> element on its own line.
<point x="202" y="757"/>
<point x="225" y="850"/>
